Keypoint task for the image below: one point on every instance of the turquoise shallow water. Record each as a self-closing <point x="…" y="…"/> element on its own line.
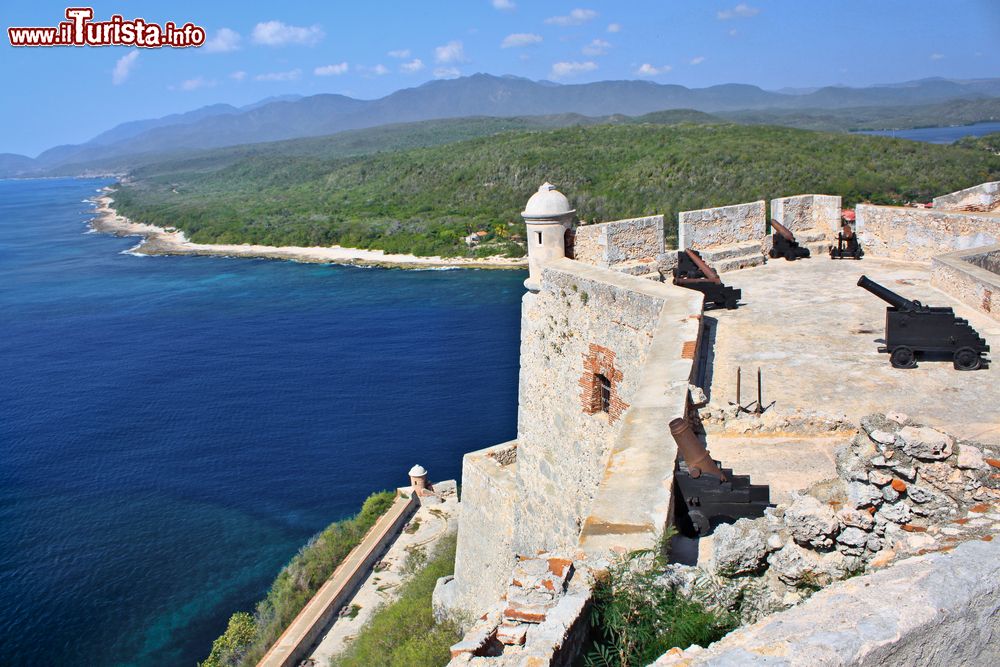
<point x="173" y="429"/>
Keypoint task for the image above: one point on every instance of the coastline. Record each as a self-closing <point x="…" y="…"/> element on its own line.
<point x="162" y="241"/>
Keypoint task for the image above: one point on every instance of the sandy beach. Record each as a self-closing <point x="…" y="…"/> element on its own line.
<point x="161" y="241"/>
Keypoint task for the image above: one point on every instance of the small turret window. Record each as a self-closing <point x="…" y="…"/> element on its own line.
<point x="538" y="235"/>
<point x="605" y="387"/>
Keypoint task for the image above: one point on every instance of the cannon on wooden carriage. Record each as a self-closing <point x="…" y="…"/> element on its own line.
<point x="784" y="243"/>
<point x="692" y="272"/>
<point x="847" y="245"/>
<point x="913" y="330"/>
<point x="708" y="493"/>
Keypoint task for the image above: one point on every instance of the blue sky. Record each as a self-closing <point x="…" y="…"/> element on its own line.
<point x="369" y="49"/>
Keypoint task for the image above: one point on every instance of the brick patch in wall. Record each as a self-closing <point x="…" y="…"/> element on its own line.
<point x="600" y="361"/>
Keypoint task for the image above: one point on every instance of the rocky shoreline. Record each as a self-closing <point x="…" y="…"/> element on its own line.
<point x="166" y="241"/>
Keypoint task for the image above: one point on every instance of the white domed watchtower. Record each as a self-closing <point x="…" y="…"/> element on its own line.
<point x="547" y="216"/>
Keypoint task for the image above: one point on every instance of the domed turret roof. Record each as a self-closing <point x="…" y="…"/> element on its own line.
<point x="418" y="471"/>
<point x="547" y="203"/>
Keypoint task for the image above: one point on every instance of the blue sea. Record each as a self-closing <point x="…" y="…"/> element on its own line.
<point x="939" y="135"/>
<point x="174" y="429"/>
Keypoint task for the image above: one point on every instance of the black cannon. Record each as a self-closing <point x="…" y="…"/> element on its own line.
<point x="784" y="243"/>
<point x="847" y="245"/>
<point x="692" y="272"/>
<point x="710" y="494"/>
<point x="913" y="329"/>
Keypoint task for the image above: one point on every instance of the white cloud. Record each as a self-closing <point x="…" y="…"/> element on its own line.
<point x="238" y="75"/>
<point x="276" y="33"/>
<point x="598" y="47"/>
<point x="291" y="75"/>
<point x="697" y="60"/>
<point x="376" y="70"/>
<point x="123" y="67"/>
<point x="335" y="69"/>
<point x="740" y="11"/>
<point x="504" y="5"/>
<point x="614" y="27"/>
<point x="414" y="65"/>
<point x="223" y="41"/>
<point x="733" y="32"/>
<point x="564" y="69"/>
<point x="651" y="70"/>
<point x="937" y="56"/>
<point x="575" y="17"/>
<point x="399" y="53"/>
<point x="446" y="72"/>
<point x="193" y="84"/>
<point x="520" y="39"/>
<point x="452" y="52"/>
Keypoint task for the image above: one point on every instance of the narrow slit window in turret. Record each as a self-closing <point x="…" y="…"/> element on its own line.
<point x="605" y="385"/>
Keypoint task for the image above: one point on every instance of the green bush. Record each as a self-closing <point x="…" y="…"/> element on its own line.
<point x="636" y="618"/>
<point x="247" y="638"/>
<point x="404" y="633"/>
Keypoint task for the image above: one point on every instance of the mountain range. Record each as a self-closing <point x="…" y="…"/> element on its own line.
<point x="292" y="117"/>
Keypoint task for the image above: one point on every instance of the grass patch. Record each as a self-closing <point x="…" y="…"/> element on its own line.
<point x="247" y="637"/>
<point x="404" y="633"/>
<point x="636" y="618"/>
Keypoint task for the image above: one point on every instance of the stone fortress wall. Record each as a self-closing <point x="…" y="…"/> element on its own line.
<point x="809" y="212"/>
<point x="918" y="234"/>
<point x="581" y="482"/>
<point x="984" y="197"/>
<point x="724" y="225"/>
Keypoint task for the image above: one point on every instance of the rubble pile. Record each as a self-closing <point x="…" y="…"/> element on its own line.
<point x="902" y="489"/>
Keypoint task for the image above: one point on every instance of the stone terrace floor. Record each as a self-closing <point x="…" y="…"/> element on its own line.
<point x="815" y="334"/>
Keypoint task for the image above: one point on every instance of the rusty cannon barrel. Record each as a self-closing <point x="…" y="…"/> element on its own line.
<point x="887" y="295"/>
<point x="847" y="231"/>
<point x="705" y="269"/>
<point x="785" y="232"/>
<point x="695" y="455"/>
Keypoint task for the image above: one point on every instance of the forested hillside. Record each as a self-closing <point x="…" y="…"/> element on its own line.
<point x="424" y="200"/>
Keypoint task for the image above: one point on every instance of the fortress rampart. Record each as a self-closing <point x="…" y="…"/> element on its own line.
<point x="608" y="352"/>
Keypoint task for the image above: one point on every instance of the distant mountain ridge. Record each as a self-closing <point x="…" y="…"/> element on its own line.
<point x="290" y="117"/>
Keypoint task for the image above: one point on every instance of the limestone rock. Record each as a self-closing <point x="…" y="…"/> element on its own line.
<point x="883" y="437"/>
<point x="811" y="522"/>
<point x="793" y="565"/>
<point x="740" y="548"/>
<point x="856" y="518"/>
<point x="923" y="442"/>
<point x="853" y="537"/>
<point x="970" y="458"/>
<point x="879" y="477"/>
<point x="863" y="495"/>
<point x="897" y="513"/>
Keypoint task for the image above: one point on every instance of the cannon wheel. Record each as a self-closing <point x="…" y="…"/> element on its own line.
<point x="967" y="359"/>
<point x="701" y="524"/>
<point x="903" y="357"/>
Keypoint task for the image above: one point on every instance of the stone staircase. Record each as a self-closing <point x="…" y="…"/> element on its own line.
<point x="732" y="257"/>
<point x="640" y="268"/>
<point x="815" y="240"/>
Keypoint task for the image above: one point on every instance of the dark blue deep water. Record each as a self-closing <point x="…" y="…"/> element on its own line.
<point x="173" y="429"/>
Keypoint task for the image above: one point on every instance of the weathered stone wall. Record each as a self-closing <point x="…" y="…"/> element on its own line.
<point x="724" y="225"/>
<point x="613" y="244"/>
<point x="972" y="277"/>
<point x="918" y="234"/>
<point x="937" y="609"/>
<point x="485" y="551"/>
<point x="983" y="197"/>
<point x="563" y="444"/>
<point x="801" y="212"/>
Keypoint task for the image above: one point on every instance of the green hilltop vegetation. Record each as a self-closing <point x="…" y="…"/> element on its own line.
<point x="424" y="200"/>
